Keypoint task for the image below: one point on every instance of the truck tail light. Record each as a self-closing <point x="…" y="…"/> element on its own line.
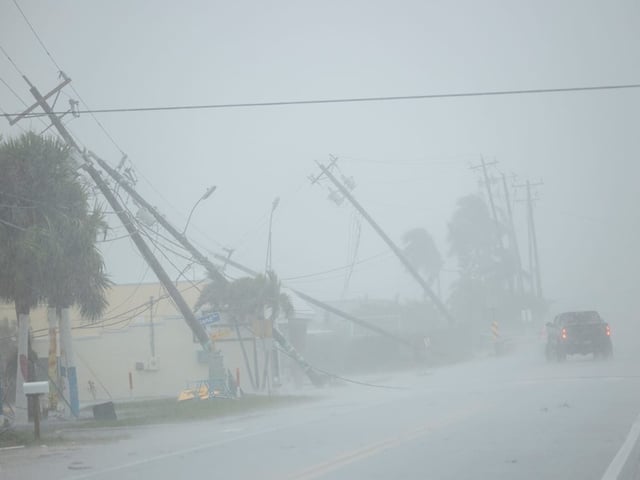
<point x="563" y="334"/>
<point x="608" y="331"/>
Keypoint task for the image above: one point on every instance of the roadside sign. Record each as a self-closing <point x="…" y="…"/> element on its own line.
<point x="209" y="321"/>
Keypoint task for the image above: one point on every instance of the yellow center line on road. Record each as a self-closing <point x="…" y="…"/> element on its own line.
<point x="371" y="450"/>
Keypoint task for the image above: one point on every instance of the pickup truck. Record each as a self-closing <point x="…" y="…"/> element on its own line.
<point x="578" y="332"/>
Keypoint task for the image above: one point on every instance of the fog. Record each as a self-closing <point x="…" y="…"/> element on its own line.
<point x="410" y="160"/>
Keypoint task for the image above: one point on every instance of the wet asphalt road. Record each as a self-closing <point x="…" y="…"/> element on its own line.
<point x="513" y="417"/>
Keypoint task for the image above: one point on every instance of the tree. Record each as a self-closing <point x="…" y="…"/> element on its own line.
<point x="47" y="234"/>
<point x="481" y="294"/>
<point x="472" y="237"/>
<point x="249" y="301"/>
<point x="247" y="298"/>
<point x="76" y="271"/>
<point x="420" y="249"/>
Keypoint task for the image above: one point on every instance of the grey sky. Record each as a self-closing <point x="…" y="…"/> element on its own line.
<point x="409" y="159"/>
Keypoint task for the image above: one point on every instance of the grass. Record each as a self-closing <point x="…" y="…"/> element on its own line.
<point x="152" y="412"/>
<point x="149" y="412"/>
<point x="11" y="438"/>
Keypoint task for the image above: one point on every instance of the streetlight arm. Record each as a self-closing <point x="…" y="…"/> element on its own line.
<point x="206" y="195"/>
<point x="184" y="230"/>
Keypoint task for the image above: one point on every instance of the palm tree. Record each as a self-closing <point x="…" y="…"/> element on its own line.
<point x="47" y="234"/>
<point x="249" y="301"/>
<point x="481" y="294"/>
<point x="472" y="236"/>
<point x="76" y="273"/>
<point x="247" y="298"/>
<point x="76" y="276"/>
<point x="420" y="249"/>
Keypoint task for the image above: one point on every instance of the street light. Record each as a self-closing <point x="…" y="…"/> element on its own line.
<point x="274" y="205"/>
<point x="206" y="195"/>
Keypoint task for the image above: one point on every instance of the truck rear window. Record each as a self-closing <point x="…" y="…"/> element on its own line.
<point x="581" y="318"/>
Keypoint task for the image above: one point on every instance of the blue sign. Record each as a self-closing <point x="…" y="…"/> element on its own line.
<point x="208" y="321"/>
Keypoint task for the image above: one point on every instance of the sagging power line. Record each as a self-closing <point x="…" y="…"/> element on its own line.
<point x="393" y="98"/>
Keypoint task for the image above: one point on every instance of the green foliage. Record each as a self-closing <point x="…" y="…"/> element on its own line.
<point x="472" y="237"/>
<point x="47" y="230"/>
<point x="255" y="297"/>
<point x="485" y="289"/>
<point x="420" y="249"/>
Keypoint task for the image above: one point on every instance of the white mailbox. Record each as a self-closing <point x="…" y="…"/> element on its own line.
<point x="35" y="388"/>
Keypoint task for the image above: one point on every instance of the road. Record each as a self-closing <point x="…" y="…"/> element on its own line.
<point x="513" y="417"/>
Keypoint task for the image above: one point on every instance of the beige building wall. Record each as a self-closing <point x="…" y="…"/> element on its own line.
<point x="119" y="345"/>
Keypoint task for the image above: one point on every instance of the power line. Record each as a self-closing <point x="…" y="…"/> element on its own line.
<point x="489" y="93"/>
<point x="102" y="127"/>
<point x="135" y="290"/>
<point x="133" y="312"/>
<point x="13" y="225"/>
<point x="344" y="379"/>
<point x="24" y="130"/>
<point x="55" y="63"/>
<point x="145" y="230"/>
<point x="337" y="269"/>
<point x="114" y="239"/>
<point x="161" y="248"/>
<point x="15" y="94"/>
<point x="11" y="61"/>
<point x="36" y="35"/>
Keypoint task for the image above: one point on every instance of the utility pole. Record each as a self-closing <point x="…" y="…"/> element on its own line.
<point x="202" y="259"/>
<point x="534" y="238"/>
<point x="179" y="236"/>
<point x="487" y="182"/>
<point x="199" y="257"/>
<point x="512" y="235"/>
<point x="324" y="306"/>
<point x="152" y="333"/>
<point x="536" y="282"/>
<point x="410" y="268"/>
<point x="214" y="271"/>
<point x="122" y="214"/>
<point x="267" y="265"/>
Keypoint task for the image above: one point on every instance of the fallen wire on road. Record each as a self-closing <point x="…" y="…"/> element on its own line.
<point x="348" y="380"/>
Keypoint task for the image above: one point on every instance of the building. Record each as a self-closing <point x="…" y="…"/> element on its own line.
<point x="142" y="347"/>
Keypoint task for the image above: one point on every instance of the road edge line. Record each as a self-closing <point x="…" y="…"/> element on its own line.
<point x="621" y="458"/>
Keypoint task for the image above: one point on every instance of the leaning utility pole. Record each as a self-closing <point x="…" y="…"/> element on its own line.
<point x="122" y="214"/>
<point x="152" y="331"/>
<point x="199" y="257"/>
<point x="487" y="182"/>
<point x="512" y="235"/>
<point x="175" y="233"/>
<point x="410" y="268"/>
<point x="323" y="306"/>
<point x="536" y="283"/>
<point x="215" y="272"/>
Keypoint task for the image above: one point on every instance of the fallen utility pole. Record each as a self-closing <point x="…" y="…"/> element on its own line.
<point x="179" y="236"/>
<point x="351" y="318"/>
<point x="124" y="217"/>
<point x="202" y="259"/>
<point x="410" y="268"/>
